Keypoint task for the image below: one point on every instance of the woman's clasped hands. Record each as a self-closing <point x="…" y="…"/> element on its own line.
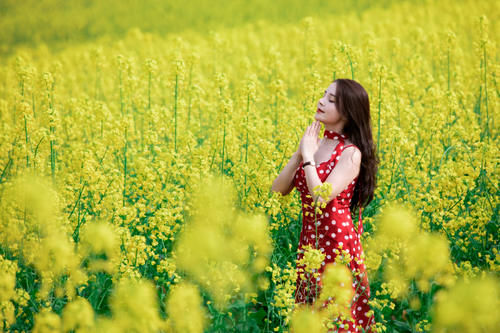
<point x="309" y="143"/>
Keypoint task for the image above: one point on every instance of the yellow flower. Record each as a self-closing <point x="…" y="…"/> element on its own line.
<point x="312" y="258"/>
<point x="219" y="243"/>
<point x="468" y="306"/>
<point x="7" y="279"/>
<point x="100" y="239"/>
<point x="397" y="223"/>
<point x="78" y="315"/>
<point x="323" y="191"/>
<point x="46" y="321"/>
<point x="306" y="320"/>
<point x="337" y="286"/>
<point x="134" y="306"/>
<point x="263" y="283"/>
<point x="184" y="308"/>
<point x="426" y="256"/>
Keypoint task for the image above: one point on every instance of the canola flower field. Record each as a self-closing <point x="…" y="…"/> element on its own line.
<point x="135" y="169"/>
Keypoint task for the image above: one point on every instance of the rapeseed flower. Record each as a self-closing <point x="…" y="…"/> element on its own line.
<point x="221" y="248"/>
<point x="306" y="319"/>
<point x="134" y="307"/>
<point x="469" y="306"/>
<point x="284" y="280"/>
<point x="185" y="299"/>
<point x="100" y="130"/>
<point x="7" y="279"/>
<point x="78" y="316"/>
<point x="311" y="259"/>
<point x="337" y="288"/>
<point x="46" y="322"/>
<point x="99" y="243"/>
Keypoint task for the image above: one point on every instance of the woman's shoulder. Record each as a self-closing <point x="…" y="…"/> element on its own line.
<point x="352" y="152"/>
<point x="348" y="144"/>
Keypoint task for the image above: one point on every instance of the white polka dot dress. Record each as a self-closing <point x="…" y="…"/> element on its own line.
<point x="334" y="229"/>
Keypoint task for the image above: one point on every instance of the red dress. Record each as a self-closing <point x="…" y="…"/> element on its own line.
<point x="335" y="228"/>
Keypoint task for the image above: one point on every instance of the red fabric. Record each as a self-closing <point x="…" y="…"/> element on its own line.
<point x="334" y="228"/>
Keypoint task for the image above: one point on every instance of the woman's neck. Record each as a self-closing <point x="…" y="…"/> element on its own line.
<point x="337" y="129"/>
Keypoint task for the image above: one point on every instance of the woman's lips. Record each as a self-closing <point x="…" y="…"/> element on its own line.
<point x="319" y="111"/>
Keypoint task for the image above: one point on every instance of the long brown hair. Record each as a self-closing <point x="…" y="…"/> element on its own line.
<point x="353" y="103"/>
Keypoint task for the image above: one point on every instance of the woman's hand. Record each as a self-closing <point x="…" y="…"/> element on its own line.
<point x="310" y="141"/>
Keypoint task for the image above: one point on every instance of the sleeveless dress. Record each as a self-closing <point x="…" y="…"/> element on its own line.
<point x="335" y="228"/>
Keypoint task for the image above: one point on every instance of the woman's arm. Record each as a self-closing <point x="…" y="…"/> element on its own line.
<point x="347" y="168"/>
<point x="284" y="182"/>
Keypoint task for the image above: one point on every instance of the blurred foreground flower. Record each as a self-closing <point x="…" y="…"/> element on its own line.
<point x="220" y="248"/>
<point x="306" y="319"/>
<point x="78" y="316"/>
<point x="468" y="307"/>
<point x="337" y="290"/>
<point x="185" y="310"/>
<point x="134" y="306"/>
<point x="412" y="254"/>
<point x="32" y="227"/>
<point x="100" y="247"/>
<point x="46" y="321"/>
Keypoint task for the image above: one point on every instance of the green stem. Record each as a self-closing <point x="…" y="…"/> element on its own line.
<point x="448" y="69"/>
<point x="96" y="79"/>
<point x="379" y="105"/>
<point x="275" y="114"/>
<point x="486" y="93"/>
<point x="124" y="169"/>
<point x="77" y="201"/>
<point x="350" y="62"/>
<point x="33" y="104"/>
<point x="175" y="112"/>
<point x="52" y="155"/>
<point x="316" y="243"/>
<point x="52" y="130"/>
<point x="21" y="84"/>
<point x="26" y="133"/>
<point x="246" y="144"/>
<point x="149" y="91"/>
<point x="189" y="93"/>
<point x="121" y="92"/>
<point x="9" y="162"/>
<point x="223" y="143"/>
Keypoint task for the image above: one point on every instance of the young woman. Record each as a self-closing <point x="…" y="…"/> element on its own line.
<point x="345" y="157"/>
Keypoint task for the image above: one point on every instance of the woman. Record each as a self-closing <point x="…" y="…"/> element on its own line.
<point x="345" y="157"/>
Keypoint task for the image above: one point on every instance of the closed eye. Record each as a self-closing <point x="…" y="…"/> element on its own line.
<point x="328" y="100"/>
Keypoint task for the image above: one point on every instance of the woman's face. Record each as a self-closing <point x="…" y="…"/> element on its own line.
<point x="327" y="111"/>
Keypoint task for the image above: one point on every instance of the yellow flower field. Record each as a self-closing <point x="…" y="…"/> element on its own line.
<point x="136" y="164"/>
